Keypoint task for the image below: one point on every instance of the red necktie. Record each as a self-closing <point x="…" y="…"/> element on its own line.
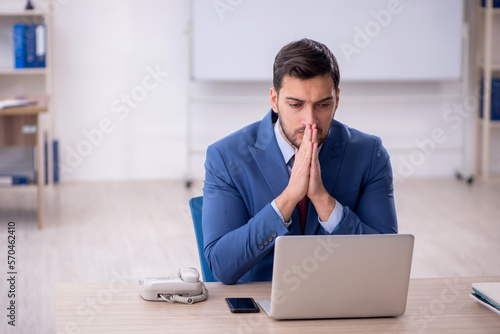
<point x="302" y="206"/>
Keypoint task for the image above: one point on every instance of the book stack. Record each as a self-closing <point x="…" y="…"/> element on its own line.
<point x="17" y="164"/>
<point x="487" y="294"/>
<point x="29" y="45"/>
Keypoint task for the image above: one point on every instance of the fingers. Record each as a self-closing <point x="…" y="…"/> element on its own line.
<point x="306" y="165"/>
<point x="314" y="157"/>
<point x="315" y="182"/>
<point x="308" y="150"/>
<point x="315" y="167"/>
<point x="303" y="154"/>
<point x="314" y="134"/>
<point x="306" y="138"/>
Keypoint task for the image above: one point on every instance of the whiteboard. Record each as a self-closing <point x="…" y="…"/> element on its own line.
<point x="373" y="40"/>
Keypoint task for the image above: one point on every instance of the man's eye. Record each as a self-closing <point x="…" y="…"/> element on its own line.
<point x="324" y="105"/>
<point x="294" y="105"/>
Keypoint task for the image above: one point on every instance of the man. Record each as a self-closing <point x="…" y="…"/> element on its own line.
<point x="298" y="171"/>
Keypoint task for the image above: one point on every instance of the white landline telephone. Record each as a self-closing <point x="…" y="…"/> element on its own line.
<point x="185" y="287"/>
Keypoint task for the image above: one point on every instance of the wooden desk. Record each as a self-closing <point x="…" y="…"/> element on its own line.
<point x="440" y="305"/>
<point x="11" y="122"/>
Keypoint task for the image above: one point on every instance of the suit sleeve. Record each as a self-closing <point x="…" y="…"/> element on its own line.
<point x="235" y="240"/>
<point x="375" y="212"/>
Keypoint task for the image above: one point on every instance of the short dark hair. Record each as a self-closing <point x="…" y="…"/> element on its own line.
<point x="305" y="59"/>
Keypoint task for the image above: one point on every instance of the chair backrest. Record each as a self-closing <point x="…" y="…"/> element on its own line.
<point x="196" y="206"/>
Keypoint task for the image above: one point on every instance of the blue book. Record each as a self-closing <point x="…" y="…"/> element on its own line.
<point x="14" y="180"/>
<point x="496" y="3"/>
<point x="24" y="45"/>
<point x="19" y="46"/>
<point x="40" y="45"/>
<point x="30" y="41"/>
<point x="55" y="155"/>
<point x="20" y="180"/>
<point x="495" y="99"/>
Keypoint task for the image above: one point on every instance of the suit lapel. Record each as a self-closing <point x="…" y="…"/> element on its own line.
<point x="268" y="157"/>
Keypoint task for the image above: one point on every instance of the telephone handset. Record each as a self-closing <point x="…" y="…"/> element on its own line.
<point x="185" y="287"/>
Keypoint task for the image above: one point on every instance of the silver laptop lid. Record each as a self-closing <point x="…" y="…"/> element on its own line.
<point x="341" y="276"/>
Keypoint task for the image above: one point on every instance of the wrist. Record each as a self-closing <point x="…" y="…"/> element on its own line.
<point x="320" y="198"/>
<point x="324" y="204"/>
<point x="286" y="203"/>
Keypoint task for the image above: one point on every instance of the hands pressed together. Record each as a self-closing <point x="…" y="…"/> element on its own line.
<point x="305" y="179"/>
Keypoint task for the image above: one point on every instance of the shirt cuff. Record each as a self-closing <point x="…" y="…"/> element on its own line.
<point x="335" y="218"/>
<point x="278" y="212"/>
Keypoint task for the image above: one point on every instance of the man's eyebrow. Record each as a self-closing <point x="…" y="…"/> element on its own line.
<point x="299" y="100"/>
<point x="294" y="99"/>
<point x="325" y="99"/>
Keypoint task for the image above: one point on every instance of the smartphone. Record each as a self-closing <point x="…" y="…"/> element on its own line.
<point x="242" y="305"/>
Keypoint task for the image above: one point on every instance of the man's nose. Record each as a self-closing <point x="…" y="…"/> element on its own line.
<point x="308" y="115"/>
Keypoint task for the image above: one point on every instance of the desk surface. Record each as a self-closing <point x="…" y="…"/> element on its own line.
<point x="439" y="305"/>
<point x="40" y="106"/>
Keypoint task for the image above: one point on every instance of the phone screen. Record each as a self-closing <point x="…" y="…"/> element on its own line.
<point x="242" y="305"/>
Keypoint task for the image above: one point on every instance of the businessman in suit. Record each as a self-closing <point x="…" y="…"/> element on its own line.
<point x="297" y="171"/>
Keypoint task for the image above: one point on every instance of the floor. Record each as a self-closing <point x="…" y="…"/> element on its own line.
<point x="100" y="232"/>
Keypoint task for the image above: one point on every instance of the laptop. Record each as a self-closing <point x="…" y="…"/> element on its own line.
<point x="340" y="276"/>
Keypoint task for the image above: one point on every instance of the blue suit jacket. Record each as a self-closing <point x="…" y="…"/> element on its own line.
<point x="245" y="172"/>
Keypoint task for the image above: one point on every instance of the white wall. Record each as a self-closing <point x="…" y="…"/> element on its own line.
<point x="104" y="51"/>
<point x="416" y="121"/>
<point x="105" y="54"/>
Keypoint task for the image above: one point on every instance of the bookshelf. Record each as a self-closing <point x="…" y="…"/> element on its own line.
<point x="489" y="69"/>
<point x="25" y="128"/>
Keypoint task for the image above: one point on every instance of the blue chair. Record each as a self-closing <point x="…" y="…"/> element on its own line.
<point x="196" y="206"/>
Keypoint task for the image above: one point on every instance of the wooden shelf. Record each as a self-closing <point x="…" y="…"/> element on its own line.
<point x="494" y="124"/>
<point x="22" y="12"/>
<point x="494" y="10"/>
<point x="23" y="71"/>
<point x="494" y="67"/>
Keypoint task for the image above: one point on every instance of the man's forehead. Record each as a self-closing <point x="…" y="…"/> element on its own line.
<point x="314" y="89"/>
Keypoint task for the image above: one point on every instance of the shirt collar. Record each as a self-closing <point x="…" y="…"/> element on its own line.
<point x="287" y="150"/>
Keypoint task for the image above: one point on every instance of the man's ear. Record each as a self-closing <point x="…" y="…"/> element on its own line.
<point x="337" y="98"/>
<point x="274" y="99"/>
